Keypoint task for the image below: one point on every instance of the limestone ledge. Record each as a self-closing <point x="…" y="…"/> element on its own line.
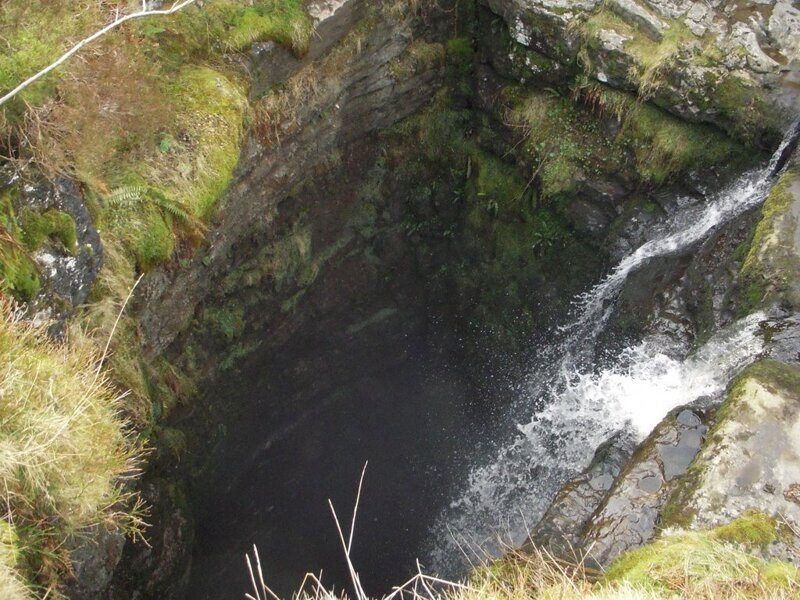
<point x="734" y="65"/>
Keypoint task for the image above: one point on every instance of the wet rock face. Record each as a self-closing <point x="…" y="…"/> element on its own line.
<point x="628" y="516"/>
<point x="94" y="559"/>
<point x="159" y="568"/>
<point x="723" y="63"/>
<point x="560" y="528"/>
<point x="772" y="266"/>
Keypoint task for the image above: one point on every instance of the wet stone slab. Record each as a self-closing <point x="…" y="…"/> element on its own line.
<point x="560" y="528"/>
<point x="628" y="516"/>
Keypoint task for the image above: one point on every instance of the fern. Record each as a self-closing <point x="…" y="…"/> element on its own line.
<point x="127" y="196"/>
<point x="131" y="196"/>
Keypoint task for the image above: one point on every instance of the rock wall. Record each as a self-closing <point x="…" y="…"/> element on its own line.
<point x="731" y="64"/>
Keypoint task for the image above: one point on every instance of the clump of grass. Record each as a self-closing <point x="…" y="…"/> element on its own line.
<point x="702" y="565"/>
<point x="64" y="448"/>
<point x="418" y="56"/>
<point x="696" y="565"/>
<point x="34" y="34"/>
<point x="18" y="273"/>
<point x="653" y="58"/>
<point x="754" y="530"/>
<point x="689" y="565"/>
<point x="209" y="118"/>
<point x="223" y="26"/>
<point x="104" y="315"/>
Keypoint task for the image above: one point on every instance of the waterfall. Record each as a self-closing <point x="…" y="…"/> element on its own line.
<point x="569" y="406"/>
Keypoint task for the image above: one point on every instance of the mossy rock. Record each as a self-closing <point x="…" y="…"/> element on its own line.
<point x="754" y="530"/>
<point x="53" y="224"/>
<point x="771" y="270"/>
<point x="749" y="441"/>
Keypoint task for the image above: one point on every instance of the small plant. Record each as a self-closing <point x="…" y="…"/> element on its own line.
<point x="132" y="196"/>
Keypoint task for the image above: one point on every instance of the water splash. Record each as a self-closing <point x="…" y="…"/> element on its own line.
<point x="508" y="495"/>
<point x="571" y="408"/>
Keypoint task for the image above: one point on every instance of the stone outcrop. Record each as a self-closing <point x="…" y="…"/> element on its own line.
<point x="358" y="95"/>
<point x="66" y="274"/>
<point x="716" y="62"/>
<point x="560" y="529"/>
<point x="752" y="458"/>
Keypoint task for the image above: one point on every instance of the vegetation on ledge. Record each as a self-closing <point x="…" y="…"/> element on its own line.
<point x="149" y="120"/>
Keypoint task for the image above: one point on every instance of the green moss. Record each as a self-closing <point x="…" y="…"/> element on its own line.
<point x="565" y="142"/>
<point x="18" y="273"/>
<point x="210" y="110"/>
<point x="154" y="241"/>
<point x="780" y="377"/>
<point x="222" y="26"/>
<point x="684" y="561"/>
<point x="37" y="227"/>
<point x="173" y="442"/>
<point x="753" y="294"/>
<point x="460" y="50"/>
<point x="225" y="322"/>
<point x="754" y="530"/>
<point x="742" y="102"/>
<point x="237" y="353"/>
<point x="498" y="184"/>
<point x="677" y="511"/>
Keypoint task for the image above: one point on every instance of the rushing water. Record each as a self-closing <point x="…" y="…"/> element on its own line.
<point x="569" y="406"/>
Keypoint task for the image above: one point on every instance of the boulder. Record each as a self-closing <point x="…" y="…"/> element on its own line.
<point x="751" y="460"/>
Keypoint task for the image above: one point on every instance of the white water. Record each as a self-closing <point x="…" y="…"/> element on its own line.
<point x="569" y="409"/>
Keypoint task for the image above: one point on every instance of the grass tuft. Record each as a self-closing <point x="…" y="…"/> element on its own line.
<point x="64" y="450"/>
